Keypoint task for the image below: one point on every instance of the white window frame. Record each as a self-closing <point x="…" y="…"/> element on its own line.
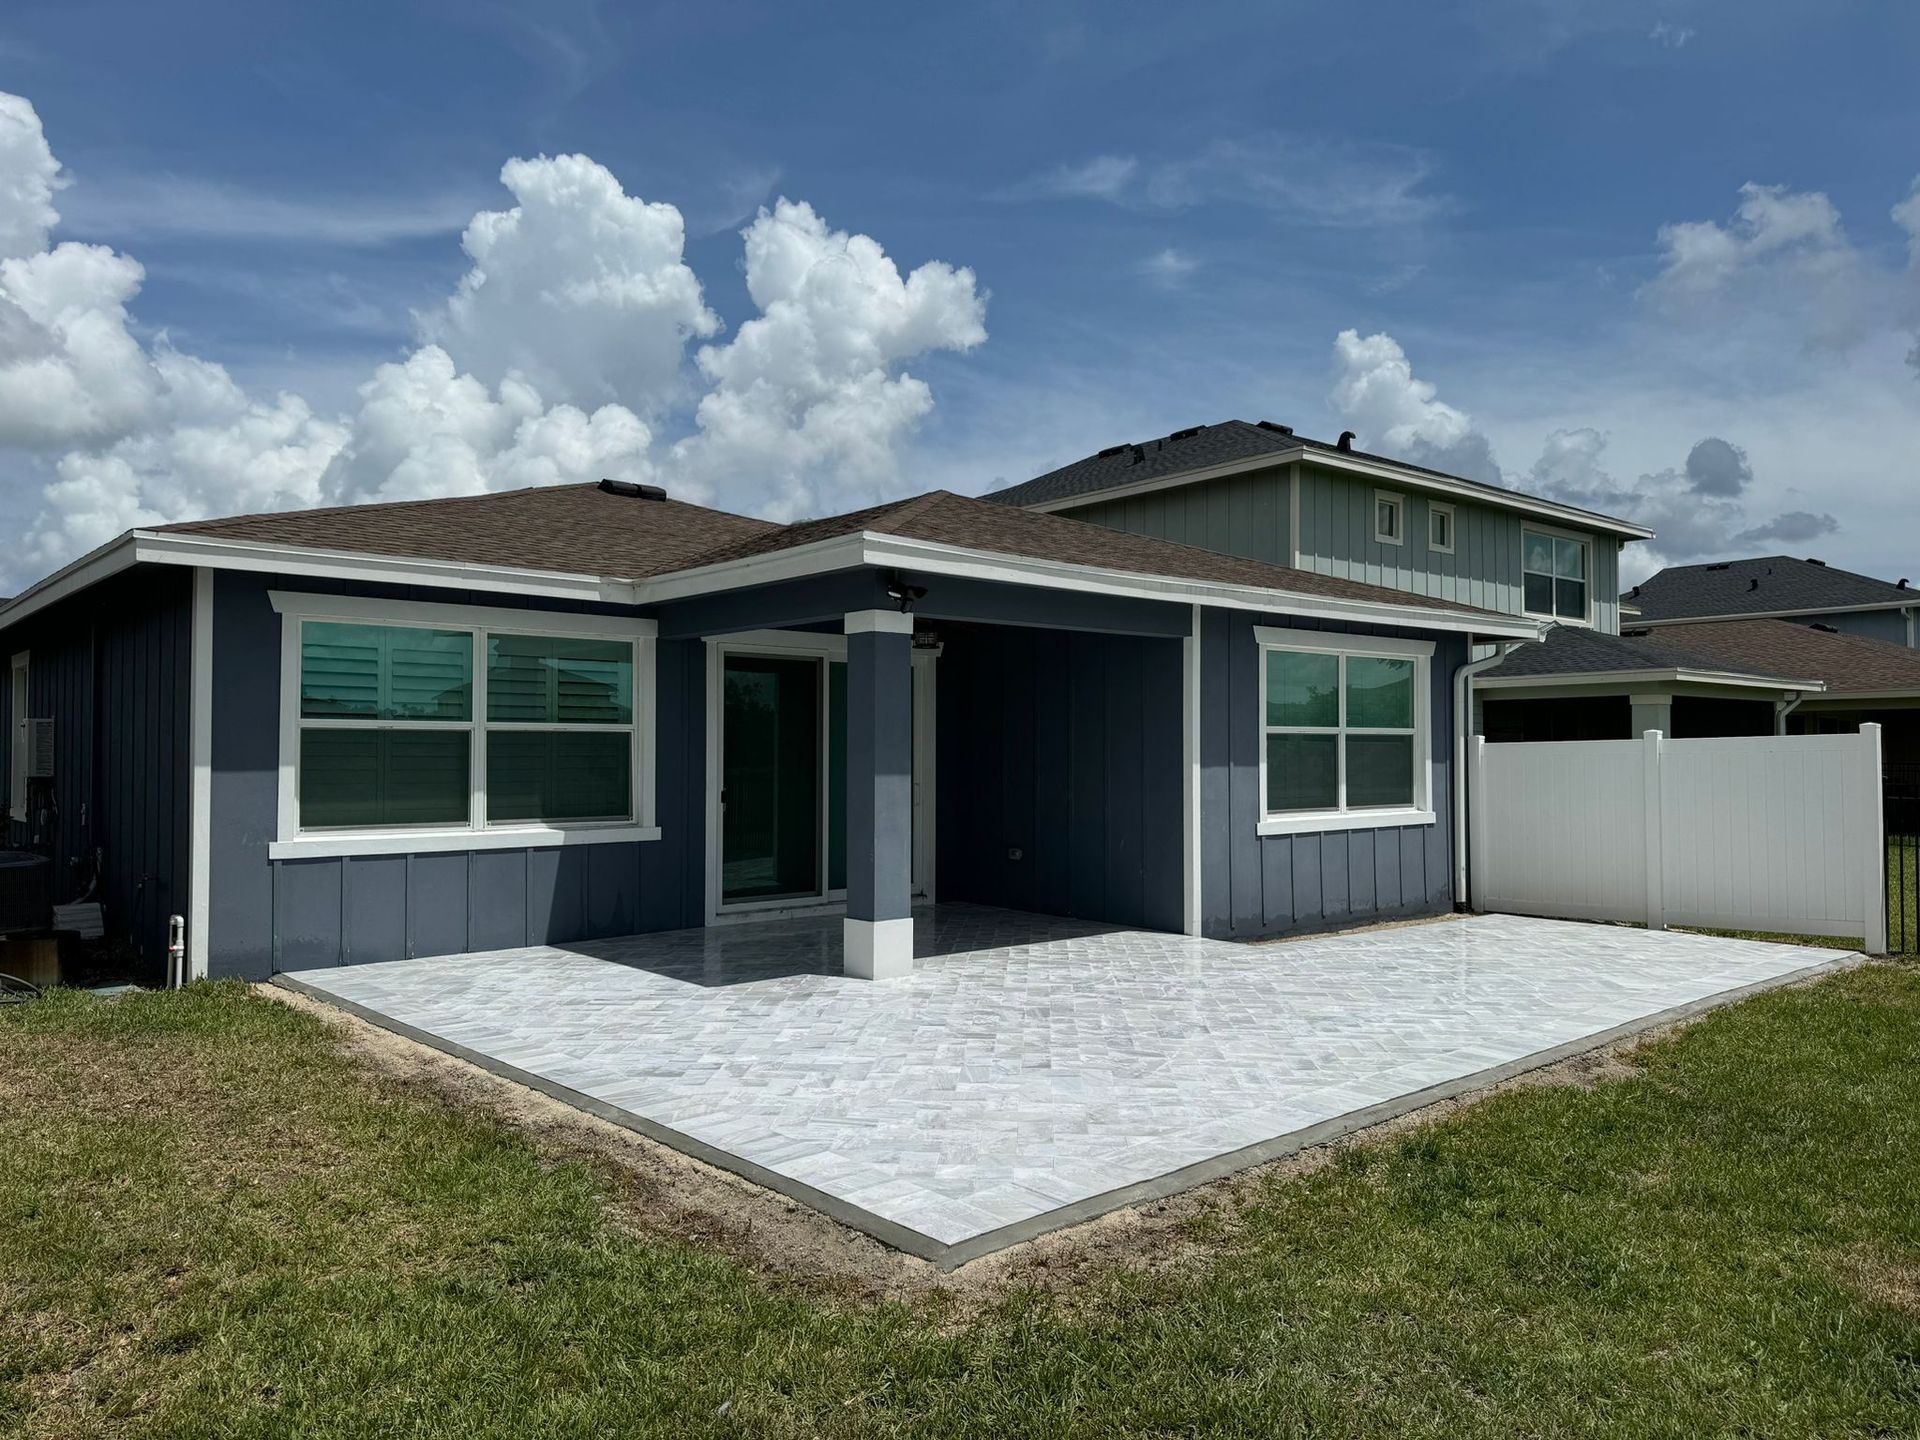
<point x="1586" y="541"/>
<point x="1435" y="510"/>
<point x="1306" y="822"/>
<point x="298" y="608"/>
<point x="1399" y="504"/>
<point x="19" y="690"/>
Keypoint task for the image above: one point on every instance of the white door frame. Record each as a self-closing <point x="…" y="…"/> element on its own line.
<point x="824" y="647"/>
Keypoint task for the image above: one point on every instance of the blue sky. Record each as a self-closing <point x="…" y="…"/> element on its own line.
<point x="1169" y="213"/>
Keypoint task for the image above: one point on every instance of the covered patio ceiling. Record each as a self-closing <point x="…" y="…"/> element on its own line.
<point x="1034" y="1072"/>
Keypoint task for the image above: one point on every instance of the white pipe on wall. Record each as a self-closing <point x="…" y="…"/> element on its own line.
<point x="176" y="951"/>
<point x="1462" y="722"/>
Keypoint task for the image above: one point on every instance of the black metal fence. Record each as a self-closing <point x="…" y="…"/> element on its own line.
<point x="1900" y="797"/>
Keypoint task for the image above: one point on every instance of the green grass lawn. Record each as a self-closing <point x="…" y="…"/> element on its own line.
<point x="214" y="1223"/>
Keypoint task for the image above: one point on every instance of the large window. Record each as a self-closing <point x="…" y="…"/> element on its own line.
<point x="1343" y="732"/>
<point x="424" y="723"/>
<point x="1555" y="575"/>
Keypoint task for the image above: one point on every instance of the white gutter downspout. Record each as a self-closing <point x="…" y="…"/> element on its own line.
<point x="1783" y="708"/>
<point x="1462" y="722"/>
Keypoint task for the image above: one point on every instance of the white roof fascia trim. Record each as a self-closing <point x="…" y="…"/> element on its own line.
<point x="839" y="552"/>
<point x="218" y="554"/>
<point x="1914" y="603"/>
<point x="1729" y="678"/>
<point x="938" y="558"/>
<point x="96" y="565"/>
<point x="1415" y="479"/>
<point x="366" y="610"/>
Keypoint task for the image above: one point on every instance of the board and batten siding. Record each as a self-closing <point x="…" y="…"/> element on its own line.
<point x="1336" y="538"/>
<point x="1255" y="886"/>
<point x="1058" y="773"/>
<point x="1249" y="516"/>
<point x="272" y="915"/>
<point x="1244" y="515"/>
<point x="111" y="669"/>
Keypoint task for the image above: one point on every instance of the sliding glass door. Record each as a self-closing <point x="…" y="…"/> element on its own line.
<point x="771" y="781"/>
<point x="783" y="766"/>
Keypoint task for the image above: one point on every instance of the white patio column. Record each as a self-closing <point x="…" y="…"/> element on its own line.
<point x="878" y="933"/>
<point x="1650" y="712"/>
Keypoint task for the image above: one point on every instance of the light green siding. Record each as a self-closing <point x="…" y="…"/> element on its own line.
<point x="1249" y="515"/>
<point x="1244" y="515"/>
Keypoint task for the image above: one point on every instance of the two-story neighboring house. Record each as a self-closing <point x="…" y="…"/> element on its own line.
<point x="1698" y="650"/>
<point x="1777" y="587"/>
<point x="1261" y="491"/>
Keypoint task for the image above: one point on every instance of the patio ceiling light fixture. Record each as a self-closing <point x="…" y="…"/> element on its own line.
<point x="903" y="594"/>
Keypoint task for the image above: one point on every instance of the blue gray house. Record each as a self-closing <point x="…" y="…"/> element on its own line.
<point x="1218" y="690"/>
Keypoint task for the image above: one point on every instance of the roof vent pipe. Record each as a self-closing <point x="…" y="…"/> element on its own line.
<point x="633" y="490"/>
<point x="1345" y="442"/>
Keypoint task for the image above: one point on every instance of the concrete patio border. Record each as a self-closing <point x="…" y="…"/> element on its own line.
<point x="950" y="1257"/>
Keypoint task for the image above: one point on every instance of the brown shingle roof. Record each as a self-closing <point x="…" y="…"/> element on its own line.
<point x="581" y="529"/>
<point x="1848" y="663"/>
<point x="578" y="529"/>
<point x="946" y="518"/>
<point x="1575" y="650"/>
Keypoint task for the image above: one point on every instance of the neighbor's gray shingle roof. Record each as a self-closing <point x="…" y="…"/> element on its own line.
<point x="1769" y="584"/>
<point x="1572" y="650"/>
<point x="946" y="518"/>
<point x="577" y="529"/>
<point x="1199" y="448"/>
<point x="1848" y="663"/>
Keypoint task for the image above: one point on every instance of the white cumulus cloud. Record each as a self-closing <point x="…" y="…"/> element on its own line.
<point x="580" y="288"/>
<point x="1698" y="509"/>
<point x="807" y="405"/>
<point x="29" y="176"/>
<point x="1375" y="390"/>
<point x="1784" y="267"/>
<point x="426" y="429"/>
<point x="560" y="356"/>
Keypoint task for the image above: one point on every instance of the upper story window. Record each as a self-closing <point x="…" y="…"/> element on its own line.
<point x="1389" y="518"/>
<point x="1440" y="527"/>
<point x="1554" y="579"/>
<point x="1343" y="732"/>
<point x="460" y="724"/>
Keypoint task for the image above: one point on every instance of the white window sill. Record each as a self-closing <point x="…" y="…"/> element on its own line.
<point x="1313" y="823"/>
<point x="429" y="842"/>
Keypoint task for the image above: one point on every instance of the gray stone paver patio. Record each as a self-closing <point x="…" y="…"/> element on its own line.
<point x="1033" y="1070"/>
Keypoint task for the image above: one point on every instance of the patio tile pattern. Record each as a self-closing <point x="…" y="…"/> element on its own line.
<point x="1032" y="1063"/>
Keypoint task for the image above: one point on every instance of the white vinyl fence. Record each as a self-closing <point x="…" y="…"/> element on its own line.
<point x="1780" y="833"/>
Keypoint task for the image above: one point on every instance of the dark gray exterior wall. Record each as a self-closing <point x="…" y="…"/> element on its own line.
<point x="1254" y="886"/>
<point x="1064" y="744"/>
<point x="292" y="914"/>
<point x="111" y="668"/>
<point x="1064" y="747"/>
